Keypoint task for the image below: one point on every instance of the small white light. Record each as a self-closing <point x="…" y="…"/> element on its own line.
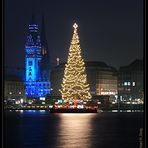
<point x="75" y="25"/>
<point x="22" y="101"/>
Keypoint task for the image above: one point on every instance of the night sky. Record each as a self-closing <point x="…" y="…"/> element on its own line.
<point x="110" y="30"/>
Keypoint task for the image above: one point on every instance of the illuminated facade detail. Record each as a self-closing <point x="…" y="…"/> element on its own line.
<point x="36" y="84"/>
<point x="14" y="89"/>
<point x="74" y="84"/>
<point x="106" y="83"/>
<point x="130" y="81"/>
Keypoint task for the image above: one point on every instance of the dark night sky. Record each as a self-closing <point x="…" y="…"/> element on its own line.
<point x="109" y="30"/>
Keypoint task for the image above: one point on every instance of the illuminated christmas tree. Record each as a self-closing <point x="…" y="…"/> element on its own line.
<point x="74" y="85"/>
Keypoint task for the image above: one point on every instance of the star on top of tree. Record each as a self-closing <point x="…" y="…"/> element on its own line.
<point x="75" y="25"/>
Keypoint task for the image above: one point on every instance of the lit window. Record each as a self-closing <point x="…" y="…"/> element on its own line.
<point x="125" y="83"/>
<point x="133" y="83"/>
<point x="129" y="83"/>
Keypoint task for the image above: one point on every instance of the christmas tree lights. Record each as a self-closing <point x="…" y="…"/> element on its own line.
<point x="74" y="85"/>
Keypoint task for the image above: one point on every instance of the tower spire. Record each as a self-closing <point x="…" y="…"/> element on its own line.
<point x="34" y="84"/>
<point x="43" y="38"/>
<point x="45" y="63"/>
<point x="33" y="19"/>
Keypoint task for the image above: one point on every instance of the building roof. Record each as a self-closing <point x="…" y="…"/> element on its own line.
<point x="136" y="65"/>
<point x="12" y="78"/>
<point x="14" y="73"/>
<point x="94" y="64"/>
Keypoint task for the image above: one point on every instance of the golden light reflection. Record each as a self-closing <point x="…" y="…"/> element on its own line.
<point x="74" y="130"/>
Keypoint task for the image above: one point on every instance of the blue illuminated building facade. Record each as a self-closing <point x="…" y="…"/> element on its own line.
<point x="37" y="64"/>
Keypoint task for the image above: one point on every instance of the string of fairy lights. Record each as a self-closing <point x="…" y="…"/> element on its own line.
<point x="74" y="84"/>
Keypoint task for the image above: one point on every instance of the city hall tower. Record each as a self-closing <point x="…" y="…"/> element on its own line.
<point x="37" y="65"/>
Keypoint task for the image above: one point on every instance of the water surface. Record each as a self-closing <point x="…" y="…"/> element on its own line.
<point x="41" y="129"/>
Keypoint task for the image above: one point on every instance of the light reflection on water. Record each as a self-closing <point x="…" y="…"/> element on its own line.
<point x="41" y="129"/>
<point x="74" y="130"/>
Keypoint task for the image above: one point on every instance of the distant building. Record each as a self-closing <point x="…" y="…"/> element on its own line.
<point x="130" y="81"/>
<point x="18" y="72"/>
<point x="13" y="89"/>
<point x="37" y="64"/>
<point x="101" y="78"/>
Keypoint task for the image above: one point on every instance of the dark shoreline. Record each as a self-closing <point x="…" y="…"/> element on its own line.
<point x="76" y="110"/>
<point x="73" y="110"/>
